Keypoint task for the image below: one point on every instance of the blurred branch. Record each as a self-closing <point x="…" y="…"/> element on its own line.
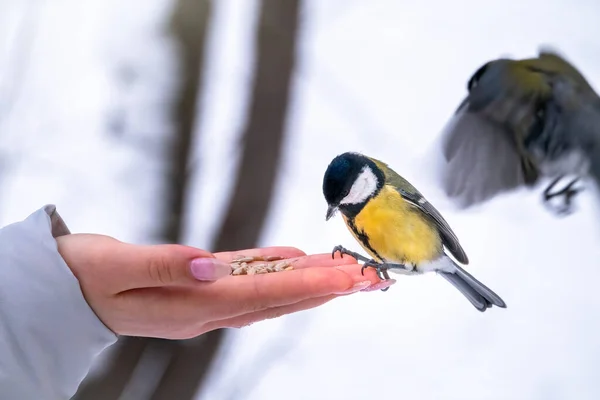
<point x="191" y="363"/>
<point x="276" y="49"/>
<point x="262" y="141"/>
<point x="263" y="135"/>
<point x="191" y="359"/>
<point x="112" y="381"/>
<point x="275" y="349"/>
<point x="189" y="25"/>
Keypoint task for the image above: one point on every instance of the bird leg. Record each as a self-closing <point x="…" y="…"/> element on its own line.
<point x="381" y="268"/>
<point x="367" y="262"/>
<point x="568" y="192"/>
<point x="344" y="250"/>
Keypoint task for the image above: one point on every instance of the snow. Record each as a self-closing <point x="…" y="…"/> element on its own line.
<point x="380" y="77"/>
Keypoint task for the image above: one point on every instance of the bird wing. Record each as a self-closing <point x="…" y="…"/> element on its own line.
<point x="414" y="197"/>
<point x="480" y="159"/>
<point x="542" y="101"/>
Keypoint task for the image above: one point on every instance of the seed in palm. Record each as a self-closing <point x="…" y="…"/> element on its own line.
<point x="246" y="265"/>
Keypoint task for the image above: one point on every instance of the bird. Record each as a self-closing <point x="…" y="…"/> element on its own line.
<point x="394" y="223"/>
<point x="523" y="120"/>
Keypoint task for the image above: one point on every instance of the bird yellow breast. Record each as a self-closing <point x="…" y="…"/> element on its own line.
<point x="396" y="230"/>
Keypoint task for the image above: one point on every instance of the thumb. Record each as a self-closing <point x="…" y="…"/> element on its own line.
<point x="98" y="260"/>
<point x="166" y="265"/>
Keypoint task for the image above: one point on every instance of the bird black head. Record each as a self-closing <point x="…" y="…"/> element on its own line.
<point x="474" y="79"/>
<point x="350" y="180"/>
<point x="492" y="71"/>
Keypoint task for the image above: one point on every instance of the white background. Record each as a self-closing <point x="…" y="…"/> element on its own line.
<point x="381" y="77"/>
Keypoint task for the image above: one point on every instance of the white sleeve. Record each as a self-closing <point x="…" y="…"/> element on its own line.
<point x="49" y="335"/>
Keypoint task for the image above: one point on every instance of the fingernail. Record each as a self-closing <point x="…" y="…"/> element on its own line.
<point x="356" y="288"/>
<point x="209" y="269"/>
<point x="380" y="285"/>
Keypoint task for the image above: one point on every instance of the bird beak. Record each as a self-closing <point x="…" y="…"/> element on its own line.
<point x="330" y="212"/>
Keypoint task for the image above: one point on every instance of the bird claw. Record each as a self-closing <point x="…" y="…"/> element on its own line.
<point x="342" y="250"/>
<point x="381" y="268"/>
<point x="567" y="193"/>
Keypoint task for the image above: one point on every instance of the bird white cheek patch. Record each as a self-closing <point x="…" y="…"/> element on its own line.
<point x="363" y="187"/>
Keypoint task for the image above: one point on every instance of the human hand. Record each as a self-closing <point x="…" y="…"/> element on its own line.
<point x="178" y="292"/>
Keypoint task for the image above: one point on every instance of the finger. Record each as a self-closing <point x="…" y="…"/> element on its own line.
<point x="320" y="260"/>
<point x="356" y="272"/>
<point x="169" y="270"/>
<point x="276" y="312"/>
<point x="281" y="251"/>
<point x="238" y="295"/>
<point x="184" y="309"/>
<point x="101" y="260"/>
<point x="175" y="264"/>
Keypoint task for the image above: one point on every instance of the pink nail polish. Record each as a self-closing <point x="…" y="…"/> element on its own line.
<point x="356" y="288"/>
<point x="380" y="285"/>
<point x="209" y="269"/>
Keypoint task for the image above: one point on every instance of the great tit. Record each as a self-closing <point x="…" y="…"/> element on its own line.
<point x="397" y="226"/>
<point x="522" y="120"/>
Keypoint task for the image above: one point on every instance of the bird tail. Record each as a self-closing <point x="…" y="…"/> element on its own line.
<point x="476" y="292"/>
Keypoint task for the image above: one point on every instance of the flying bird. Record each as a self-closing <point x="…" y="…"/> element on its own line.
<point x="523" y="120"/>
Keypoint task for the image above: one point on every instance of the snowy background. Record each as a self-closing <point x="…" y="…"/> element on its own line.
<point x="381" y="77"/>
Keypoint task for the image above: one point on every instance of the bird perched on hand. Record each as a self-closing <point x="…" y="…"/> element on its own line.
<point x="397" y="226"/>
<point x="523" y="120"/>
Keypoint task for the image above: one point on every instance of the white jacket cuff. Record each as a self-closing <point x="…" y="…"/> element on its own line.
<point x="49" y="335"/>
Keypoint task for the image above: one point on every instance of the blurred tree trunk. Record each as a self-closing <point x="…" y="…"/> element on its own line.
<point x="127" y="365"/>
<point x="261" y="142"/>
<point x="189" y="361"/>
<point x="263" y="135"/>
